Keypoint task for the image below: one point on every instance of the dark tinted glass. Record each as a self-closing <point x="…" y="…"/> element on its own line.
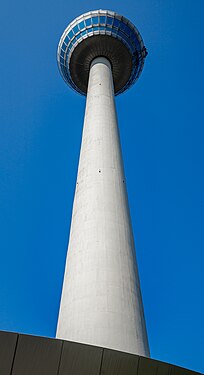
<point x="76" y="29"/>
<point x="81" y="25"/>
<point x="66" y="40"/>
<point x="88" y="22"/>
<point x="109" y="21"/>
<point x="70" y="34"/>
<point x="95" y="20"/>
<point x="116" y="23"/>
<point x="102" y="19"/>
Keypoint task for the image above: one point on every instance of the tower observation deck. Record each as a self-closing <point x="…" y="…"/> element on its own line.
<point x="101" y="54"/>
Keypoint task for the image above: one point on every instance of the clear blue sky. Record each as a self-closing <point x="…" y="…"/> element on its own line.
<point x="161" y="125"/>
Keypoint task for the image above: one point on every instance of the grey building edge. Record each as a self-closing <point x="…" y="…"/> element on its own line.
<point x="33" y="355"/>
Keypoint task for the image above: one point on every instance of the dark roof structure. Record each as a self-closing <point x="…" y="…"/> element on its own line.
<point x="33" y="355"/>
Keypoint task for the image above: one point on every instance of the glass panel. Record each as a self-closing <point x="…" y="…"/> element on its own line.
<point x="83" y="32"/>
<point x="61" y="60"/>
<point x="109" y="21"/>
<point x="77" y="37"/>
<point x="114" y="32"/>
<point x="88" y="22"/>
<point x="76" y="29"/>
<point x="125" y="38"/>
<point x="134" y="38"/>
<point x="116" y="23"/>
<point x="128" y="30"/>
<point x="64" y="71"/>
<point x="102" y="28"/>
<point x="64" y="46"/>
<point x="81" y="25"/>
<point x="70" y="34"/>
<point x="66" y="40"/>
<point x="70" y="46"/>
<point x="122" y="26"/>
<point x="102" y="19"/>
<point x="95" y="20"/>
<point x="108" y="29"/>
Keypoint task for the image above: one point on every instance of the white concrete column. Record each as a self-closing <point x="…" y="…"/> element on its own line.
<point x="101" y="301"/>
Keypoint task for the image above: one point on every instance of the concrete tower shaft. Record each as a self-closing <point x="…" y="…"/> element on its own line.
<point x="101" y="301"/>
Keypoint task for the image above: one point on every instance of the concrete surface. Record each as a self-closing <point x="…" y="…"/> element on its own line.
<point x="101" y="300"/>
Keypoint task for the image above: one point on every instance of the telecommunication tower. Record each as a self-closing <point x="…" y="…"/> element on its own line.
<point x="101" y="54"/>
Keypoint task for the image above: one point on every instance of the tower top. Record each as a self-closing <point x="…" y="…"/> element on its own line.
<point x="101" y="33"/>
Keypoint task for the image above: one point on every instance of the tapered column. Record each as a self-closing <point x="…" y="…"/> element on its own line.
<point x="101" y="300"/>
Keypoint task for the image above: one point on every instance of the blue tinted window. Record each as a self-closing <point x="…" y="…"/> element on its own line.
<point x="102" y="19"/>
<point x="134" y="38"/>
<point x="83" y="32"/>
<point x="108" y="29"/>
<point x="116" y="23"/>
<point x="78" y="36"/>
<point x="81" y="25"/>
<point x="64" y="46"/>
<point x="123" y="36"/>
<point x="70" y="46"/>
<point x="88" y="22"/>
<point x="95" y="20"/>
<point x="70" y="34"/>
<point x="61" y="60"/>
<point x="109" y="21"/>
<point x="66" y="40"/>
<point x="76" y="29"/>
<point x="128" y="30"/>
<point x="63" y="69"/>
<point x="114" y="31"/>
<point x="122" y="26"/>
<point x="96" y="28"/>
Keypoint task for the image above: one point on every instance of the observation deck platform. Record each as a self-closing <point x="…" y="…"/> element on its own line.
<point x="101" y="33"/>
